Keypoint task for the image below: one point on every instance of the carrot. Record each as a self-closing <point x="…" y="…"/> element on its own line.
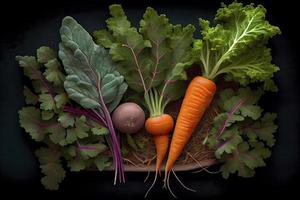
<point x="160" y="127"/>
<point x="198" y="97"/>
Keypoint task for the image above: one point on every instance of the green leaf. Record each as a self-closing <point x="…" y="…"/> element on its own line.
<point x="76" y="165"/>
<point x="236" y="45"/>
<point x="263" y="129"/>
<point x="103" y="37"/>
<point x="46" y="114"/>
<point x="100" y="130"/>
<point x="96" y="149"/>
<point x="57" y="134"/>
<point x="30" y="97"/>
<point x="30" y="66"/>
<point x="47" y="102"/>
<point x="45" y="54"/>
<point x="53" y="72"/>
<point x="50" y="165"/>
<point x="79" y="131"/>
<point x="155" y="56"/>
<point x="251" y="111"/>
<point x="245" y="160"/>
<point x="230" y="140"/>
<point x="86" y="64"/>
<point x="131" y="142"/>
<point x="66" y="119"/>
<point x="30" y="120"/>
<point x="61" y="100"/>
<point x="102" y="162"/>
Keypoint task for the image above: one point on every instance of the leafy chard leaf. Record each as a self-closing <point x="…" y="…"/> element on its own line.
<point x="236" y="45"/>
<point x="92" y="80"/>
<point x="91" y="72"/>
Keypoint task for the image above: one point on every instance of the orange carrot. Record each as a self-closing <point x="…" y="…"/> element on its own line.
<point x="197" y="98"/>
<point x="160" y="127"/>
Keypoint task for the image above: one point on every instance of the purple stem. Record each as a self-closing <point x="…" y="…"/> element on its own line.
<point x="87" y="113"/>
<point x="230" y="114"/>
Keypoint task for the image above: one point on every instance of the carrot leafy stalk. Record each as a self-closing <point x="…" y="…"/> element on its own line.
<point x="153" y="60"/>
<point x="92" y="80"/>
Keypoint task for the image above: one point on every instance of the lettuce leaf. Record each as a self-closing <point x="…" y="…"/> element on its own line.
<point x="236" y="45"/>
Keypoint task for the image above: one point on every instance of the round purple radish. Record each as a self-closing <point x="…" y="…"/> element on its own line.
<point x="128" y="117"/>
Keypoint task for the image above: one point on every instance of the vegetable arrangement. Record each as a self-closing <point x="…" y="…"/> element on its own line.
<point x="73" y="102"/>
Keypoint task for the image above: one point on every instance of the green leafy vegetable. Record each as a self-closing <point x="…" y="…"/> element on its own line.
<point x="46" y="120"/>
<point x="236" y="45"/>
<point x="152" y="59"/>
<point x="51" y="167"/>
<point x="92" y="79"/>
<point x="241" y="135"/>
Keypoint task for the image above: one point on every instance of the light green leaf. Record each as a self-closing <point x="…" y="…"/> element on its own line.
<point x="66" y="119"/>
<point x="30" y="66"/>
<point x="53" y="72"/>
<point x="45" y="54"/>
<point x="236" y="45"/>
<point x="47" y="102"/>
<point x="61" y="100"/>
<point x="100" y="130"/>
<point x="91" y="72"/>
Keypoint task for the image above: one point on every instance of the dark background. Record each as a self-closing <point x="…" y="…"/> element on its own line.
<point x="27" y="25"/>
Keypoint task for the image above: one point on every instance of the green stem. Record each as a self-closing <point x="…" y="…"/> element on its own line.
<point x="154" y="102"/>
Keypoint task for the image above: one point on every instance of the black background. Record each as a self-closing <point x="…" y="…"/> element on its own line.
<point x="27" y="25"/>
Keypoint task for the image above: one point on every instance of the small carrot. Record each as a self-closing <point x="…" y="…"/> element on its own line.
<point x="198" y="97"/>
<point x="159" y="125"/>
